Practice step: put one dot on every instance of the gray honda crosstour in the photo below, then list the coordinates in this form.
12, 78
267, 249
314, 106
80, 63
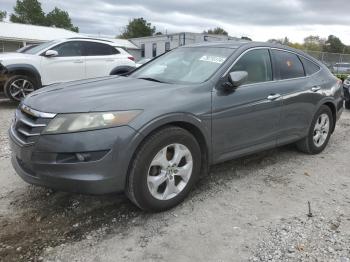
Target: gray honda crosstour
154, 132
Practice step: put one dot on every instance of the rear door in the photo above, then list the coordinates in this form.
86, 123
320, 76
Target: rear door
300, 92
68, 65
100, 59
246, 119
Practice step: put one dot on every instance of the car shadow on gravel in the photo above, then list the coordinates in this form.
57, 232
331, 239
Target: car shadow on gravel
48, 219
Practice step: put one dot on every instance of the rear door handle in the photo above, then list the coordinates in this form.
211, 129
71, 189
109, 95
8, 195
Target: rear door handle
78, 61
110, 60
315, 88
273, 97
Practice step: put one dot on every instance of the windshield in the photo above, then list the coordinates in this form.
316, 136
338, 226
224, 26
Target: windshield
185, 65
37, 49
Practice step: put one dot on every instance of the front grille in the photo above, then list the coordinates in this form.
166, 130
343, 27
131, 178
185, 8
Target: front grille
28, 126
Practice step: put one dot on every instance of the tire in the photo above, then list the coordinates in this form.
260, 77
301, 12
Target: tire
347, 104
162, 143
308, 145
18, 86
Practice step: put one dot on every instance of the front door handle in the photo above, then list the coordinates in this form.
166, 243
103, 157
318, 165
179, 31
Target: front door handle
315, 88
273, 97
78, 61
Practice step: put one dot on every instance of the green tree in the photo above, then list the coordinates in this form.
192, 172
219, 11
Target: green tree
60, 18
138, 27
313, 43
296, 46
216, 31
286, 41
3, 15
28, 12
334, 45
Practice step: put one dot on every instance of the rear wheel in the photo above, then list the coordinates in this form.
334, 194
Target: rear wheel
164, 169
18, 87
319, 133
347, 104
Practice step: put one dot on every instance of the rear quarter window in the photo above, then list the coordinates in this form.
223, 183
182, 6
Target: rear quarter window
287, 65
310, 67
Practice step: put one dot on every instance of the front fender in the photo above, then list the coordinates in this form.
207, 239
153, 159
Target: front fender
203, 125
24, 68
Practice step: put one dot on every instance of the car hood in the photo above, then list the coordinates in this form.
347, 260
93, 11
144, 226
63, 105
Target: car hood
4, 57
101, 94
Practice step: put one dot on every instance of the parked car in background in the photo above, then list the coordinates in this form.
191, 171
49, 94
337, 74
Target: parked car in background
62, 61
143, 61
152, 133
341, 68
346, 86
26, 48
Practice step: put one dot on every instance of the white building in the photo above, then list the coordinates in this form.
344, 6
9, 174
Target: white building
14, 36
152, 46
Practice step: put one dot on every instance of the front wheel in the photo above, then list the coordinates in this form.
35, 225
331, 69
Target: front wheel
164, 170
18, 87
319, 133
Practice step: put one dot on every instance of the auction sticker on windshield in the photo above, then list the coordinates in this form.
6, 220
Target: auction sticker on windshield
213, 59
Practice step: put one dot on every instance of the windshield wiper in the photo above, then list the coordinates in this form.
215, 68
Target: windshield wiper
151, 79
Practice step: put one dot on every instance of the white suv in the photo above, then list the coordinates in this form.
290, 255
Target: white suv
61, 61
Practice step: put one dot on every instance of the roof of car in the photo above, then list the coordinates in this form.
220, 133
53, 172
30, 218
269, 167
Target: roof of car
234, 44
237, 44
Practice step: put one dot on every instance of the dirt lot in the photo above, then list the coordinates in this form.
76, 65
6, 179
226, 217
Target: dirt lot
251, 209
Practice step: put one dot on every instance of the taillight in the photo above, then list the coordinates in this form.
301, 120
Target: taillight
131, 58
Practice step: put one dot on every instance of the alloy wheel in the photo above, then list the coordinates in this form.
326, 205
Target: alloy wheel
169, 171
20, 88
321, 130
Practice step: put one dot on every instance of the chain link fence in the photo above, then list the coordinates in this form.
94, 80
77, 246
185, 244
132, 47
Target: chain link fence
337, 63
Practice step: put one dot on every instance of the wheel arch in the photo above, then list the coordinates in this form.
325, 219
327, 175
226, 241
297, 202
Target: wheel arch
189, 123
333, 108
25, 69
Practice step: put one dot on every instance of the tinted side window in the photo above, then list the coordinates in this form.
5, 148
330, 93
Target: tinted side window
73, 48
257, 64
97, 49
287, 65
310, 67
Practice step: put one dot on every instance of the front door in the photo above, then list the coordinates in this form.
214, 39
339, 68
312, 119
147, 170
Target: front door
247, 119
68, 65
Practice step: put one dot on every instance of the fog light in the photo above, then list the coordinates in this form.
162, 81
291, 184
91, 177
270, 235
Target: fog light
83, 157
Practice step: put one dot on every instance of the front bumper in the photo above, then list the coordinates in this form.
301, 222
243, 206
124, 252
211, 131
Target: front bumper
42, 163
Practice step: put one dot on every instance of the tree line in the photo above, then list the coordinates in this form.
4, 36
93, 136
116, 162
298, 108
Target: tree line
332, 44
30, 12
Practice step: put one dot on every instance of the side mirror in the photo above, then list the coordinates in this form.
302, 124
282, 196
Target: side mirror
237, 78
51, 53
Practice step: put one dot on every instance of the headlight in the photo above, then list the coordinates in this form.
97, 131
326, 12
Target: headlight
67, 123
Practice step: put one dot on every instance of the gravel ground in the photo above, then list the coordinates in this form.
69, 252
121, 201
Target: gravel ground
250, 209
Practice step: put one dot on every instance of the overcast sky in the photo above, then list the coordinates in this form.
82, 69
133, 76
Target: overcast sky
258, 19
